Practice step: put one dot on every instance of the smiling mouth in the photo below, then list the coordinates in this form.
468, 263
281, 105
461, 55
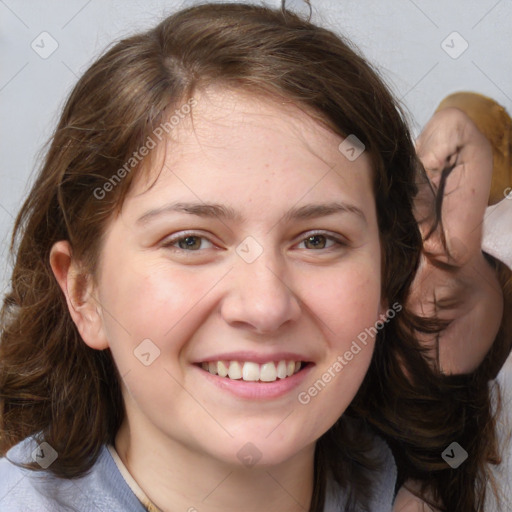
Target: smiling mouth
253, 372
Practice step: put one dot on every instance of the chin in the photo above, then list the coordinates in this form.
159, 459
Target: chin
259, 452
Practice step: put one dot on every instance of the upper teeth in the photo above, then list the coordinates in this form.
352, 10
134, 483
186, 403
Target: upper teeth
249, 371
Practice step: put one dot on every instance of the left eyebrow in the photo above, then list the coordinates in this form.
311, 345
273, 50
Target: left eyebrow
210, 210
314, 211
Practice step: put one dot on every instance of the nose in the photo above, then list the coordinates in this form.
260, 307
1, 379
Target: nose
260, 298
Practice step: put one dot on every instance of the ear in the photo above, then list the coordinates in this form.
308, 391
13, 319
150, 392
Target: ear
78, 290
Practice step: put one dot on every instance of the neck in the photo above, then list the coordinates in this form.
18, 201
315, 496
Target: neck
170, 473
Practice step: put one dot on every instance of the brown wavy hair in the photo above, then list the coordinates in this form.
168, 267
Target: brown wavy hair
53, 386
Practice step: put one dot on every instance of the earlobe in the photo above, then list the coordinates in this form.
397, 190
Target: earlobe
78, 291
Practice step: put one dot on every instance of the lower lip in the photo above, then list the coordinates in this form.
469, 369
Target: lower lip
258, 390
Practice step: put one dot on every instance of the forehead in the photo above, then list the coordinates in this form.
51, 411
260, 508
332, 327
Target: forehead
232, 117
234, 136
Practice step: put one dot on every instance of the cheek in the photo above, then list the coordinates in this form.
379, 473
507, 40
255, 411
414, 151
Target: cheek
349, 326
156, 305
347, 305
349, 302
150, 304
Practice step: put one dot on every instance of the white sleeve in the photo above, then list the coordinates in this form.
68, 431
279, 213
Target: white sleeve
502, 472
497, 231
497, 241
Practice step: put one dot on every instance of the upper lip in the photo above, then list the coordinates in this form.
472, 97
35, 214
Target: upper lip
256, 357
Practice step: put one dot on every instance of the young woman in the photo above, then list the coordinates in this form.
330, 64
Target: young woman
208, 306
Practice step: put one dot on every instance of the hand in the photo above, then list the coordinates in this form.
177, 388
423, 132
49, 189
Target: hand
454, 281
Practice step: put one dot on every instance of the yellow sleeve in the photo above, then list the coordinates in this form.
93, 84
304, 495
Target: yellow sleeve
495, 123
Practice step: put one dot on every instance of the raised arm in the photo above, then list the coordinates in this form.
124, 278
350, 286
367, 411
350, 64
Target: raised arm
469, 168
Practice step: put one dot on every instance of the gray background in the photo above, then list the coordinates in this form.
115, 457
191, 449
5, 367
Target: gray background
403, 38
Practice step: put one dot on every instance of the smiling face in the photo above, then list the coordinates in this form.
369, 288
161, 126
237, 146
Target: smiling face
255, 253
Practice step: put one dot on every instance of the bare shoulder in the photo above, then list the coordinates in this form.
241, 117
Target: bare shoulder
406, 501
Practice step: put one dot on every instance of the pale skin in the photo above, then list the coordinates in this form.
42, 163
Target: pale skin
181, 434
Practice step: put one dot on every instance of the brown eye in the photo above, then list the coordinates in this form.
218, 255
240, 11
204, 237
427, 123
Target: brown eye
186, 242
189, 242
318, 241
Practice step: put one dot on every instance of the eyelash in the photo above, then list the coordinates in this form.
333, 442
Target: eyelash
168, 244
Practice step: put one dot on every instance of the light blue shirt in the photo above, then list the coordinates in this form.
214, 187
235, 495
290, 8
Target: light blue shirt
104, 489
